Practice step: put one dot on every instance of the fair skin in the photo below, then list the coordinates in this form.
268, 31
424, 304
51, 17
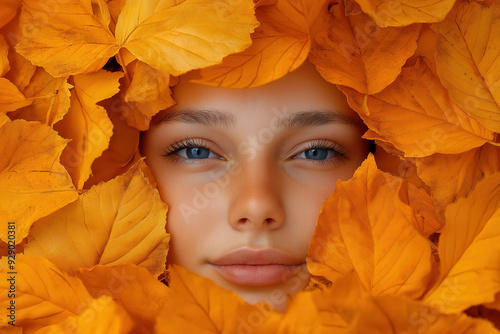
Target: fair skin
245, 173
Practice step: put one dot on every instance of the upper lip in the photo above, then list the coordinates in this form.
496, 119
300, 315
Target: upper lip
249, 256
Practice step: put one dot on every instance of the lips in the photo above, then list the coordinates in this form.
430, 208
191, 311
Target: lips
252, 267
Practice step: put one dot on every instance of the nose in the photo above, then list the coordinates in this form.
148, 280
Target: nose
256, 201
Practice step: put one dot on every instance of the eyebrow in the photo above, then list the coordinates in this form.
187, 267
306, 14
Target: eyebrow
217, 118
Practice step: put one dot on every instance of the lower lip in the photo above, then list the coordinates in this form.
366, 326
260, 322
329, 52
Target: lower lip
257, 275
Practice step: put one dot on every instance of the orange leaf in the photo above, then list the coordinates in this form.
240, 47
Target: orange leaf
8, 9
33, 183
121, 221
4, 52
10, 96
401, 13
21, 70
140, 293
279, 45
66, 37
396, 314
468, 59
86, 123
103, 316
158, 33
416, 115
197, 305
353, 51
469, 250
147, 93
463, 171
50, 96
43, 294
365, 227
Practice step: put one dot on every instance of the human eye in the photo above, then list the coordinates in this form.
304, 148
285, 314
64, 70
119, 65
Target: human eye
190, 149
322, 151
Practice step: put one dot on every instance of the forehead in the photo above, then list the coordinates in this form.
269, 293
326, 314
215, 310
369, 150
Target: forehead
301, 90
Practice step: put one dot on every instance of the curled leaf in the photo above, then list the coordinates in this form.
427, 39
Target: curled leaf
10, 97
121, 221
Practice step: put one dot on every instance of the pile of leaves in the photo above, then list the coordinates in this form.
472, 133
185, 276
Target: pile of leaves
409, 247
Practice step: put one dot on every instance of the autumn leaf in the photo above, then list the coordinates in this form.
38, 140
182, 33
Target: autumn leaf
50, 96
66, 37
353, 51
146, 94
197, 305
10, 97
401, 13
8, 9
397, 314
468, 62
4, 59
21, 70
133, 287
416, 115
44, 295
121, 221
469, 250
87, 124
159, 33
279, 45
463, 172
365, 227
33, 183
103, 316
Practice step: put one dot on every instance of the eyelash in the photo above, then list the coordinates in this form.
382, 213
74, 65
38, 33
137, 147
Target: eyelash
182, 144
327, 145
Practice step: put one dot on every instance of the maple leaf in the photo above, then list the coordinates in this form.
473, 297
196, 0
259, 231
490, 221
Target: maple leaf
197, 305
44, 295
33, 183
121, 221
66, 37
159, 34
401, 13
365, 227
415, 114
469, 250
86, 123
133, 287
279, 45
366, 59
468, 62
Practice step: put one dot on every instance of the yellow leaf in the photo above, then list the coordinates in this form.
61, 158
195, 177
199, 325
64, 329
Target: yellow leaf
103, 316
197, 305
43, 294
463, 171
404, 12
279, 45
87, 124
10, 96
396, 314
353, 51
416, 115
33, 183
66, 37
50, 96
121, 221
147, 93
21, 70
140, 293
4, 52
468, 59
469, 250
365, 227
177, 36
8, 9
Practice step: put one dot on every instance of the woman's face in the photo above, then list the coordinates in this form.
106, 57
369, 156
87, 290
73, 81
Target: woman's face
245, 173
